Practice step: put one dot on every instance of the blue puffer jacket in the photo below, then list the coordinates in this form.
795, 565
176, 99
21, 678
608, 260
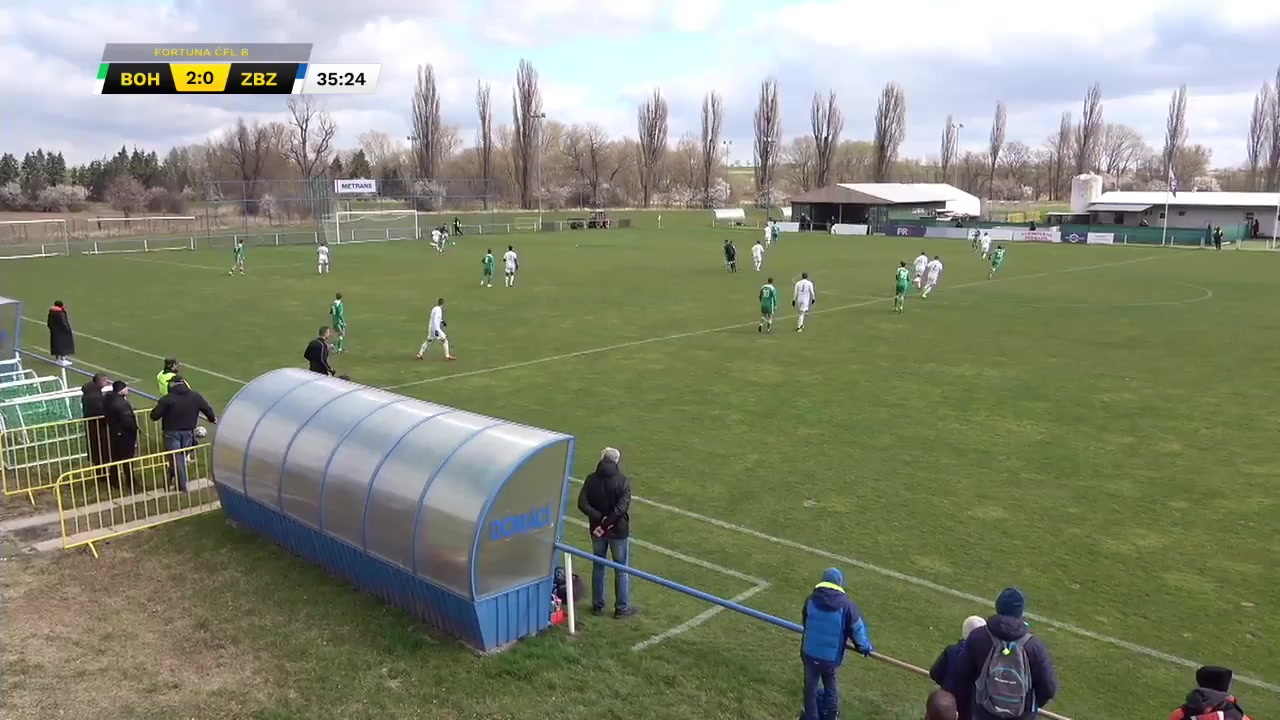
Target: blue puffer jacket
830, 619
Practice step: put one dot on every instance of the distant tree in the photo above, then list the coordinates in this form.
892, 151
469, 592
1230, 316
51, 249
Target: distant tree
651, 126
802, 158
1061, 144
484, 137
1017, 160
9, 169
311, 133
1257, 147
767, 122
1121, 148
335, 168
526, 143
995, 145
709, 148
890, 129
127, 194
827, 122
1273, 162
34, 174
358, 166
1088, 136
947, 157
56, 169
1175, 132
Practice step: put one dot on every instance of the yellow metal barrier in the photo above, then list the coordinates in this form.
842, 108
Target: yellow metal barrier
106, 501
34, 457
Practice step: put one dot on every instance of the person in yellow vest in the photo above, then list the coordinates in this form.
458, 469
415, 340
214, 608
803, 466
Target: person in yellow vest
166, 376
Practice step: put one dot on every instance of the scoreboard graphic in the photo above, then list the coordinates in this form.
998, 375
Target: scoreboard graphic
228, 69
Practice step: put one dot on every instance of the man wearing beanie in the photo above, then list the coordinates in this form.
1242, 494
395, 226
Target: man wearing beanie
1212, 698
948, 664
830, 619
1004, 648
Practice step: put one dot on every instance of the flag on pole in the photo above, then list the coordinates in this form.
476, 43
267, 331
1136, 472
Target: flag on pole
1173, 184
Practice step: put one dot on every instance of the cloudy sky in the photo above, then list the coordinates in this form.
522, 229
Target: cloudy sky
596, 59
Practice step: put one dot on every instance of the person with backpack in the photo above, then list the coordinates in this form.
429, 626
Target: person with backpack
830, 620
1005, 670
948, 663
1211, 699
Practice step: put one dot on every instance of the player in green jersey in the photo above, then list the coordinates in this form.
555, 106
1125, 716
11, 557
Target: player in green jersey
902, 281
730, 257
997, 259
487, 265
768, 306
338, 320
239, 258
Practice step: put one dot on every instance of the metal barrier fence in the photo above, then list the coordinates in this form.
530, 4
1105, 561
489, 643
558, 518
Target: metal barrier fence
106, 501
571, 552
34, 457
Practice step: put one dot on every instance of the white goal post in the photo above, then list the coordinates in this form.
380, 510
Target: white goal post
363, 226
22, 239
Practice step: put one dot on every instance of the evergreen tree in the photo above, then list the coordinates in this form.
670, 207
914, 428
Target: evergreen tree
56, 169
97, 177
34, 174
335, 167
359, 165
9, 170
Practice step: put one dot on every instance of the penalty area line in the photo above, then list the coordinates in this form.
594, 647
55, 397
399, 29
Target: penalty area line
738, 326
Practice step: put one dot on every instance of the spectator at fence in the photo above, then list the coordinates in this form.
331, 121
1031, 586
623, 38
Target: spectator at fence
1002, 649
830, 618
167, 374
123, 428
92, 409
941, 705
1211, 699
605, 499
62, 342
178, 413
317, 353
948, 663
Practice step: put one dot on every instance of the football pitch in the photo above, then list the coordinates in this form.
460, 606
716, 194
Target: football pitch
1095, 425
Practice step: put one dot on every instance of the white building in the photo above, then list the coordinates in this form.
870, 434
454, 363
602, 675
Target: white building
864, 202
1187, 209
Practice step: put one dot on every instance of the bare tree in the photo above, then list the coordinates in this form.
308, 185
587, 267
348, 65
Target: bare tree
712, 124
891, 129
994, 145
427, 124
1061, 148
526, 117
1121, 148
651, 125
767, 121
247, 148
802, 159
827, 123
1175, 129
311, 131
1016, 160
592, 159
1191, 166
1257, 146
1273, 161
950, 137
484, 137
1089, 131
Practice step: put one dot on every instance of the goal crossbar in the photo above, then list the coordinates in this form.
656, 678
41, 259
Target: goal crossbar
58, 244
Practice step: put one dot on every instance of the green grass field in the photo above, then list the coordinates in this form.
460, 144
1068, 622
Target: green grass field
1094, 426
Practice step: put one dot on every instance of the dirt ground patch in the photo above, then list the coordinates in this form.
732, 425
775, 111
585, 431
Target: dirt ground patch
114, 637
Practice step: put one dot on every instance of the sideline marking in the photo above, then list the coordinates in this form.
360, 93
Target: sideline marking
736, 326
144, 353
930, 585
701, 618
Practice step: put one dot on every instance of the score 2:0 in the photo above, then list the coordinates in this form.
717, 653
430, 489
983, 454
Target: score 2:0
195, 78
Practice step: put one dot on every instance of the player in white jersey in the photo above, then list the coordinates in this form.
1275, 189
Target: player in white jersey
510, 265
917, 269
435, 240
932, 272
986, 245
435, 331
757, 254
804, 298
768, 233
322, 258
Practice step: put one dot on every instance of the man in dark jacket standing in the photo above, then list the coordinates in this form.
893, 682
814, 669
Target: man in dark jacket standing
92, 410
830, 620
317, 354
606, 501
948, 663
1211, 698
122, 425
1005, 630
62, 343
178, 413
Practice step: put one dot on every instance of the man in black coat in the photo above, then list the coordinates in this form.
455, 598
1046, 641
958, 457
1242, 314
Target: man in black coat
62, 343
123, 428
178, 413
1005, 630
606, 501
92, 407
317, 354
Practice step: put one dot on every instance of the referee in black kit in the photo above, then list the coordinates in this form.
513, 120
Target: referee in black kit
317, 354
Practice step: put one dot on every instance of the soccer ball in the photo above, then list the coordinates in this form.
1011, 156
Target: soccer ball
201, 432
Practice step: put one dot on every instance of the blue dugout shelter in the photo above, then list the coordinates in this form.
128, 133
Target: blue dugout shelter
449, 515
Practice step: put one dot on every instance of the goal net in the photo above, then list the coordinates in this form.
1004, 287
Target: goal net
33, 239
158, 226
365, 226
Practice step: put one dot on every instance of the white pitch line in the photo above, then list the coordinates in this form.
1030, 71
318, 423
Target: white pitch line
758, 586
736, 326
930, 585
144, 353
